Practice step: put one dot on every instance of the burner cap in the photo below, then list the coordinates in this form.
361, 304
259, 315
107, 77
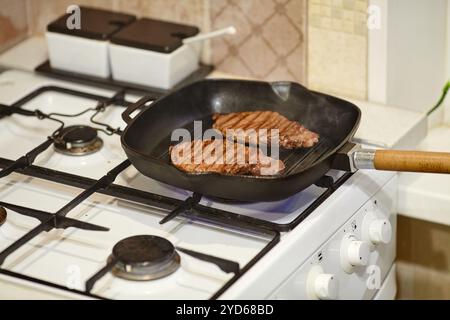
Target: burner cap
144, 258
78, 141
3, 215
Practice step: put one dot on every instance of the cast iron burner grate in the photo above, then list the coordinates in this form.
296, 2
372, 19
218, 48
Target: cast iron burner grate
149, 257
3, 216
189, 209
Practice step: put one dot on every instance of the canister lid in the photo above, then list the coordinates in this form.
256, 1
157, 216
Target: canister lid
94, 23
155, 35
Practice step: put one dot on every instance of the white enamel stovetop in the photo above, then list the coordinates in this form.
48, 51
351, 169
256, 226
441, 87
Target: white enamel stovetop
69, 257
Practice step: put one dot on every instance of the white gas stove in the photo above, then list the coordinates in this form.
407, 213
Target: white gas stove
71, 230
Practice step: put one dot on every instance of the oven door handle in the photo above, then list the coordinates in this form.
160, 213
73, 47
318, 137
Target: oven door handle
126, 115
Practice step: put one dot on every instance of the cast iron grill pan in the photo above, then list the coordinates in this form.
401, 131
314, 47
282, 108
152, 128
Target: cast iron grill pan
147, 137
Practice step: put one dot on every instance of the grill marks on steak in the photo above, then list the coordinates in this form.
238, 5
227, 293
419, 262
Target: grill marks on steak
231, 158
291, 133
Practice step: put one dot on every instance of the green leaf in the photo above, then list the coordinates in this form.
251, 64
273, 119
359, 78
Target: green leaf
441, 99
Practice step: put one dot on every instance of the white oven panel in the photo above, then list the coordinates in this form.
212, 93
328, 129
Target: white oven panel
353, 263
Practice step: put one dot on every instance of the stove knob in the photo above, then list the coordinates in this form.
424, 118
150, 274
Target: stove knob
354, 253
380, 231
358, 253
326, 286
322, 285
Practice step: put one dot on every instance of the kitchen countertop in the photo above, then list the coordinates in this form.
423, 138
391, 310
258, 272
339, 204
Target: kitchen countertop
27, 55
427, 196
422, 196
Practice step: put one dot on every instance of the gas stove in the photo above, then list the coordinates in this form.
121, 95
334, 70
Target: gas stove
78, 221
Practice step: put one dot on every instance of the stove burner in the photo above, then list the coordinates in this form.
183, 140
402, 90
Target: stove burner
78, 141
144, 258
3, 216
227, 201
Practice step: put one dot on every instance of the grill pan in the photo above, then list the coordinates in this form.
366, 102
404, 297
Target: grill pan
147, 138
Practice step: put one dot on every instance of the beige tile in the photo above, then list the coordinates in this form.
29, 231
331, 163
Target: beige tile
337, 62
42, 12
314, 9
296, 10
337, 49
361, 5
360, 17
348, 15
296, 64
337, 13
281, 73
13, 22
360, 28
221, 50
232, 15
348, 4
216, 7
326, 22
315, 21
325, 11
263, 60
186, 11
337, 25
270, 32
281, 42
348, 26
257, 11
235, 66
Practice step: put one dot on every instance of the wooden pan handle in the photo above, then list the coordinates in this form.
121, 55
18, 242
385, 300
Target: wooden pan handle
408, 161
412, 161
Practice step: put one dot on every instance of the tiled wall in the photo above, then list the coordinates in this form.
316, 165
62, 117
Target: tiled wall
320, 43
186, 11
337, 47
13, 22
271, 43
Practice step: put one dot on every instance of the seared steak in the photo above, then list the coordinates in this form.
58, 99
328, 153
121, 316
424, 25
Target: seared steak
291, 133
223, 157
